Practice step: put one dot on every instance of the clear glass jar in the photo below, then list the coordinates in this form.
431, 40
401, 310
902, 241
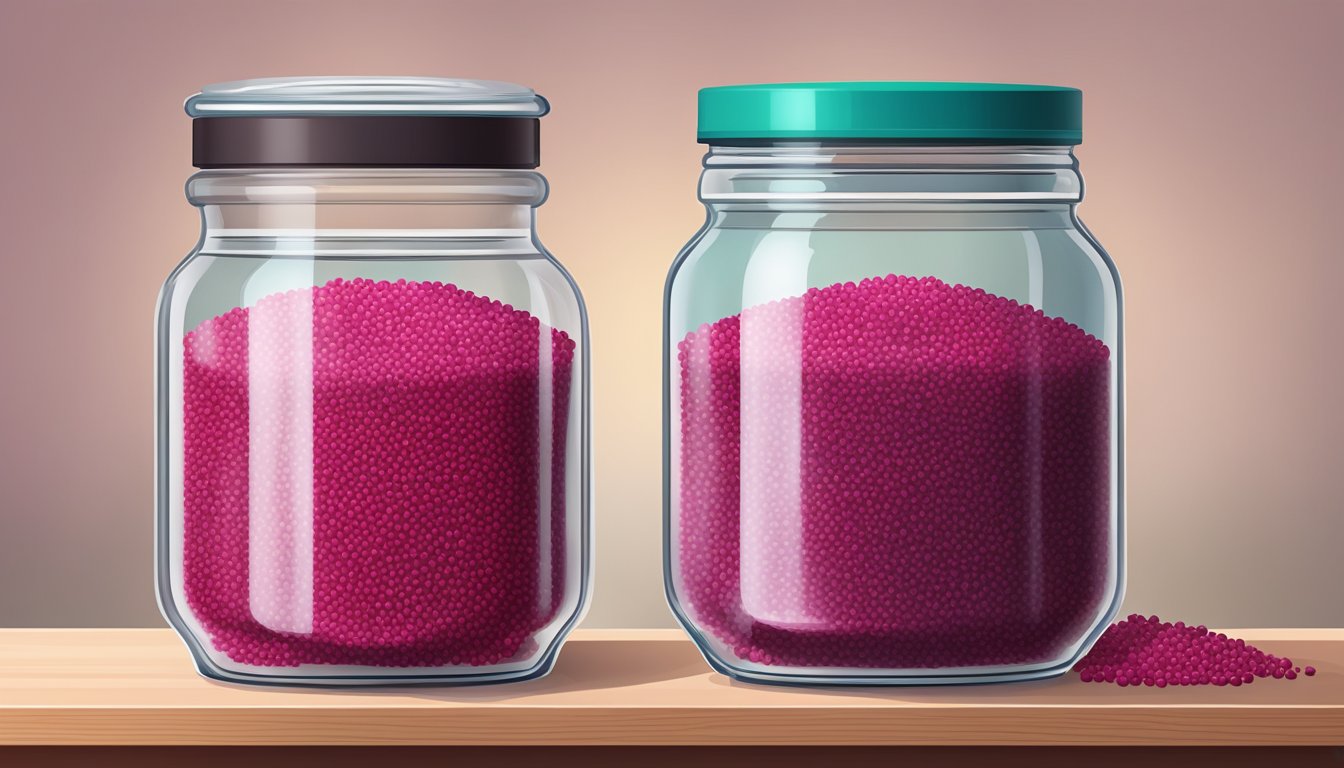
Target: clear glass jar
372, 395
893, 398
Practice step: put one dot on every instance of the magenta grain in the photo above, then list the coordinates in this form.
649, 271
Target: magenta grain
1145, 647
927, 482
426, 539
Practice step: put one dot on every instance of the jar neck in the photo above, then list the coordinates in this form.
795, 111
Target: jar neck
817, 176
366, 205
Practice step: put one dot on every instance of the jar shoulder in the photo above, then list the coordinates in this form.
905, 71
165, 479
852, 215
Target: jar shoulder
1045, 258
209, 282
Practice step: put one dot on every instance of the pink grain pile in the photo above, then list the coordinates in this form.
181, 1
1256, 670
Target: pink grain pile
365, 468
1144, 650
898, 473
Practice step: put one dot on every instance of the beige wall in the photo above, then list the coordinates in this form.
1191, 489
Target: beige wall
1212, 154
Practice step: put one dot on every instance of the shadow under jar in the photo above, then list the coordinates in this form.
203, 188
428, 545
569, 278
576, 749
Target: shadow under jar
893, 390
373, 417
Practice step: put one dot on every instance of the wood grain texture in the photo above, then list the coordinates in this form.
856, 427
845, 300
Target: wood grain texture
633, 687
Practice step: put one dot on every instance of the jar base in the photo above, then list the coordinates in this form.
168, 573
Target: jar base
211, 671
878, 679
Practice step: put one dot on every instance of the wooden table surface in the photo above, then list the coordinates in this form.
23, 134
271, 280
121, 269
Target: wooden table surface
633, 687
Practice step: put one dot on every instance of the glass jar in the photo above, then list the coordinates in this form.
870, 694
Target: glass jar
372, 390
893, 389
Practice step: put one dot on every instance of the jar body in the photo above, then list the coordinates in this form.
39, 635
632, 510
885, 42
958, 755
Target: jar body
893, 417
373, 460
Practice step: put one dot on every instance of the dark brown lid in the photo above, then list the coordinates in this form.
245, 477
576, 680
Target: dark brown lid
373, 141
372, 122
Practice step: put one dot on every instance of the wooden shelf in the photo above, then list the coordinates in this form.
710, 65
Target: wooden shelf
632, 687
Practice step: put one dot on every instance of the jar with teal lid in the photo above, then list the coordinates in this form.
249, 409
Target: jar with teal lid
893, 394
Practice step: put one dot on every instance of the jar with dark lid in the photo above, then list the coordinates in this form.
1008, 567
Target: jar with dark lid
893, 394
372, 384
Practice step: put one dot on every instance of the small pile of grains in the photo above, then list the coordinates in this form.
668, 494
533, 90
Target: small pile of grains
1144, 650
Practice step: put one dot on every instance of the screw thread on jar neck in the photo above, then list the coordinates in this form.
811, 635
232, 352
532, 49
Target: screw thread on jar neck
800, 172
372, 204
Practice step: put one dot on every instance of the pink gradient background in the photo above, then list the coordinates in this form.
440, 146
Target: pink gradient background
1212, 152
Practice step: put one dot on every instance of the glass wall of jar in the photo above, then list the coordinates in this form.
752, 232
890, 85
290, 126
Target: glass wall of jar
373, 416
893, 392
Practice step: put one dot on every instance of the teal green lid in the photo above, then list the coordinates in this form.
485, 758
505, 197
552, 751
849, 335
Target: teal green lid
990, 113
